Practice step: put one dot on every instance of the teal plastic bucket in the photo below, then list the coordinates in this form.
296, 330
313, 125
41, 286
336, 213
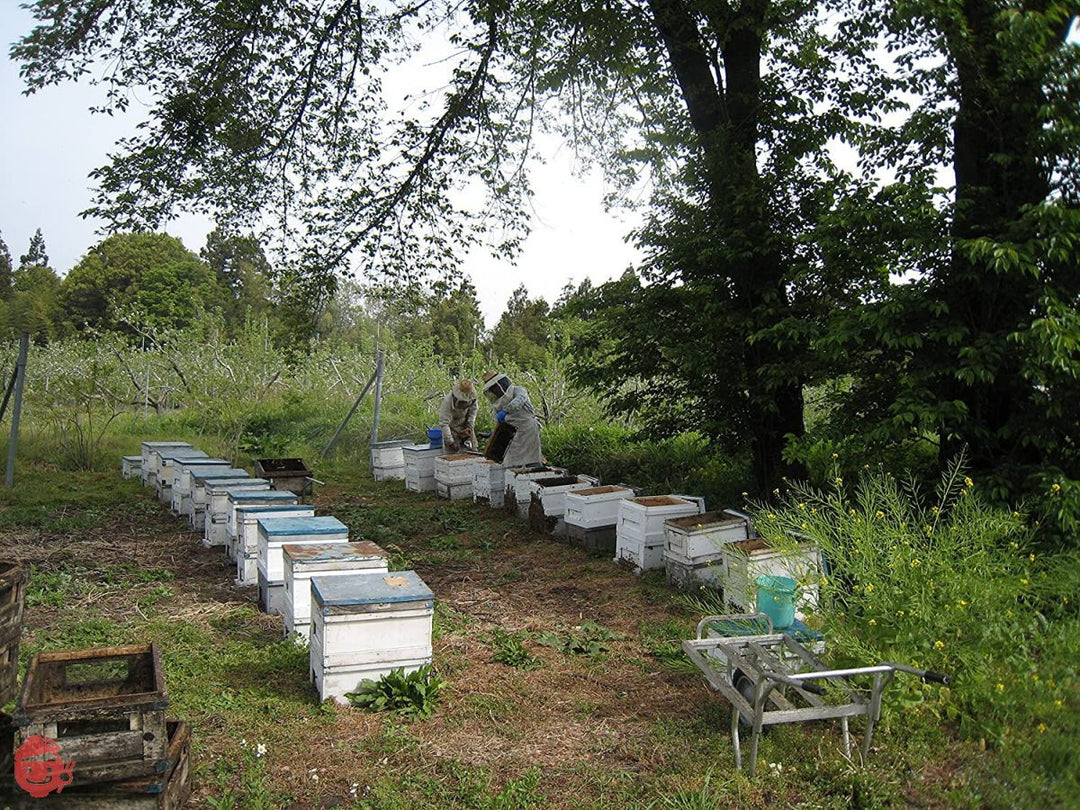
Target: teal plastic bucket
776, 599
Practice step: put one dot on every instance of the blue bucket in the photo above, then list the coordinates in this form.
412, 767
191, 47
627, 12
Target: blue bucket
776, 599
435, 436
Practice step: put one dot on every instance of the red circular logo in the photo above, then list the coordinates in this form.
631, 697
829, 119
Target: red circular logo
38, 767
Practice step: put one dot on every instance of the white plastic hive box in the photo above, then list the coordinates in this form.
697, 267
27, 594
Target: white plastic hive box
216, 515
166, 468
595, 507
365, 626
552, 491
701, 538
302, 562
275, 533
253, 497
219, 476
247, 542
420, 466
388, 460
746, 560
131, 466
489, 482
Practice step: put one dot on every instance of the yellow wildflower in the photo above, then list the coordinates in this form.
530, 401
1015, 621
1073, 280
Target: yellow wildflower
968, 482
1042, 728
838, 480
869, 586
916, 563
1059, 703
772, 516
962, 603
1031, 558
873, 622
1055, 488
835, 455
1001, 687
939, 645
879, 514
1023, 581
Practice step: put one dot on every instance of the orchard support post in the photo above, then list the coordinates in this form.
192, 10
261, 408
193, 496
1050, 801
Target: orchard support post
16, 411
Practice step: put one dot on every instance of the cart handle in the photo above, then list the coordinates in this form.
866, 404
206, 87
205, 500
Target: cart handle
798, 683
735, 617
925, 674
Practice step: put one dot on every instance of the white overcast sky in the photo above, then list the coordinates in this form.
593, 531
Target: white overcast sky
49, 143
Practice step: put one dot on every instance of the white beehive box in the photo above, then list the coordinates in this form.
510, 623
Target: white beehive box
365, 626
131, 466
150, 461
453, 476
251, 497
547, 500
183, 482
420, 466
701, 538
322, 560
218, 508
199, 479
743, 562
388, 459
247, 537
518, 496
166, 469
489, 482
595, 507
277, 532
639, 532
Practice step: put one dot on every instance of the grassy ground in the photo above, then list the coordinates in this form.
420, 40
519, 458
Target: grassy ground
625, 724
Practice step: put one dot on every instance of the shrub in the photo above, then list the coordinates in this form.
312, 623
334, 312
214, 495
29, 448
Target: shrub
412, 695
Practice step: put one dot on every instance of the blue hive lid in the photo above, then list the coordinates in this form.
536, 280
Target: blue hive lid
196, 461
369, 589
156, 445
268, 509
260, 495
302, 525
417, 448
217, 474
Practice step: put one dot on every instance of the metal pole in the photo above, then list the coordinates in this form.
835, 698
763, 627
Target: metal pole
352, 410
20, 376
7, 393
380, 358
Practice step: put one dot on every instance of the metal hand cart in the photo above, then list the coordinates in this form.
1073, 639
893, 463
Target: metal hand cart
769, 678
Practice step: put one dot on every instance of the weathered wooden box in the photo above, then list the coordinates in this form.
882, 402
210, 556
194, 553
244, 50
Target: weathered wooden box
364, 626
167, 791
247, 535
150, 461
746, 560
219, 507
595, 507
131, 466
105, 707
600, 540
388, 459
489, 483
251, 497
420, 466
639, 533
693, 546
322, 560
183, 483
286, 474
12, 598
547, 501
166, 469
518, 496
277, 532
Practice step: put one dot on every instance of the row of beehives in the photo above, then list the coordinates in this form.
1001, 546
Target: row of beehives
360, 620
696, 548
89, 727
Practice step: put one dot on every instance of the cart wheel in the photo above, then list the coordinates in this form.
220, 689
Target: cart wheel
745, 687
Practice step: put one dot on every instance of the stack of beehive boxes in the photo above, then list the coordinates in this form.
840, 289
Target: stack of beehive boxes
150, 459
219, 505
184, 484
639, 533
518, 496
746, 560
489, 483
247, 535
547, 501
302, 563
693, 546
277, 532
364, 626
388, 459
454, 476
592, 515
201, 479
420, 466
105, 709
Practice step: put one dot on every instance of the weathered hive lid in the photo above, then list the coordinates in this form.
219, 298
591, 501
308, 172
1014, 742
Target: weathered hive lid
268, 509
330, 552
370, 589
706, 520
260, 496
303, 525
216, 475
659, 500
181, 452
607, 489
163, 445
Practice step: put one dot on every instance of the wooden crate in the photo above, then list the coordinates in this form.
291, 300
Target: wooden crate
12, 596
104, 707
167, 791
600, 540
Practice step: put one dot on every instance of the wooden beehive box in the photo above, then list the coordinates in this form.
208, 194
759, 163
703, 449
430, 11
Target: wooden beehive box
277, 532
131, 466
150, 460
247, 535
518, 495
420, 466
746, 560
454, 476
251, 497
388, 459
364, 626
701, 538
166, 469
302, 563
595, 507
167, 791
12, 598
639, 533
183, 483
104, 707
547, 501
489, 483
199, 480
285, 474
218, 506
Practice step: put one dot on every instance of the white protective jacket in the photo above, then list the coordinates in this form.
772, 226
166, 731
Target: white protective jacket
525, 446
455, 421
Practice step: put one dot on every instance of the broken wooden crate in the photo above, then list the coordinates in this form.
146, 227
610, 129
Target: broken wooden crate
639, 532
454, 476
166, 791
150, 462
365, 626
420, 466
489, 483
104, 707
547, 501
285, 474
131, 466
388, 459
302, 563
518, 496
183, 484
12, 598
247, 535
277, 532
745, 561
693, 546
218, 506
592, 514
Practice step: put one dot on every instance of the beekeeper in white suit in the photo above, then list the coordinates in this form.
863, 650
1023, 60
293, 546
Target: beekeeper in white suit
457, 417
511, 404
